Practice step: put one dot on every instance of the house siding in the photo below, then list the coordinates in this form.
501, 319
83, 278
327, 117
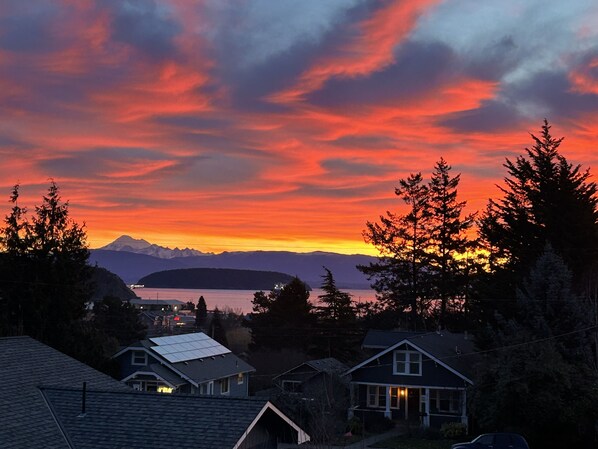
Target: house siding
127, 368
380, 371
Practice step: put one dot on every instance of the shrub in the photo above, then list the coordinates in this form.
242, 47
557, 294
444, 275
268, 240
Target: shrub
354, 426
378, 423
452, 430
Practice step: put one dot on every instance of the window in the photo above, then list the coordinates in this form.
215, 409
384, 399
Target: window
408, 363
377, 396
395, 395
138, 358
291, 386
445, 401
240, 378
224, 386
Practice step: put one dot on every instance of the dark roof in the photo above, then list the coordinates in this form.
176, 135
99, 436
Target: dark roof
199, 370
152, 420
211, 368
166, 374
25, 364
328, 365
375, 339
457, 351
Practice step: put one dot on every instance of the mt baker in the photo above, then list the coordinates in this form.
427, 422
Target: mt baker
132, 259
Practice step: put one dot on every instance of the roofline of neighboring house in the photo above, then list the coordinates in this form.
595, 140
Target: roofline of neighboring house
413, 345
160, 359
302, 436
148, 373
171, 366
61, 429
294, 368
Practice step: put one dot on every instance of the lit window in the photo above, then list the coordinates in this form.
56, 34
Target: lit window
138, 358
165, 389
224, 386
408, 363
240, 378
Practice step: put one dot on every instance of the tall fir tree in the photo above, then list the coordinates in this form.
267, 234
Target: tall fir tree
545, 199
399, 275
448, 237
45, 278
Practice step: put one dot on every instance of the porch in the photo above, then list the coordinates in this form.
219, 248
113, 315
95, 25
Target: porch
419, 405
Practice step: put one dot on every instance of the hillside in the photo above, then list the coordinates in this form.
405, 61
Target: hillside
215, 278
307, 266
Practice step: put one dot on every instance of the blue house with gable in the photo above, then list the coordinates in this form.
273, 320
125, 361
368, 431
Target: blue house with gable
188, 363
420, 377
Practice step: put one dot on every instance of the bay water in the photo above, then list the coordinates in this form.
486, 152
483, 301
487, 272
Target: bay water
237, 300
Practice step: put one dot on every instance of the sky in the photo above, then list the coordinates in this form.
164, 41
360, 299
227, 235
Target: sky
281, 124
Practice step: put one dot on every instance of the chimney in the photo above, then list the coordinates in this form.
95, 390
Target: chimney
83, 393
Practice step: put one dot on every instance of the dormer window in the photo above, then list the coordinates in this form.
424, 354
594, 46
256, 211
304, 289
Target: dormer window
408, 363
138, 358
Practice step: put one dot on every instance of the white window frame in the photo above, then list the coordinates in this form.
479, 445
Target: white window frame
210, 391
408, 362
454, 401
225, 382
135, 353
377, 394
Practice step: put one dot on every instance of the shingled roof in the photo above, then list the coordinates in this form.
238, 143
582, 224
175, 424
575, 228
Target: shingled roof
25, 365
149, 420
41, 406
456, 351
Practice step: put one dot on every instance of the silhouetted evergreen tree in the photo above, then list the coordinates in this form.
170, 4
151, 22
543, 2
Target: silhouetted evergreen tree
216, 329
536, 376
339, 334
545, 200
201, 312
44, 275
118, 319
400, 276
282, 319
449, 240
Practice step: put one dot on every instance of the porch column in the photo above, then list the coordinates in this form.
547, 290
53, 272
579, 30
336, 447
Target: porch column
426, 420
464, 418
387, 413
350, 412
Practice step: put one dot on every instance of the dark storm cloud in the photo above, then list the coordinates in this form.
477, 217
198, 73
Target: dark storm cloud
28, 27
142, 25
419, 67
492, 115
344, 167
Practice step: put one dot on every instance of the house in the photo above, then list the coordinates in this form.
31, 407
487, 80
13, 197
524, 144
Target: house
420, 377
187, 363
45, 404
314, 378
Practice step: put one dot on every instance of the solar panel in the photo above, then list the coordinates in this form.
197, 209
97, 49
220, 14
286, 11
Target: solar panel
180, 348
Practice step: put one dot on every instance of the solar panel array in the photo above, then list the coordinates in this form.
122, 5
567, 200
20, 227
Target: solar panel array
180, 348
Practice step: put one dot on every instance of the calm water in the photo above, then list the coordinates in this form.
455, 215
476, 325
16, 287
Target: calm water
234, 299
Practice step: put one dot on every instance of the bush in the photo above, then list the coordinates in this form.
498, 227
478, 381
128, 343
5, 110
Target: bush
354, 426
378, 423
453, 430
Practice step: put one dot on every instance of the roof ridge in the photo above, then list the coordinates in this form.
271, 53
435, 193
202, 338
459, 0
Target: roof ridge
150, 393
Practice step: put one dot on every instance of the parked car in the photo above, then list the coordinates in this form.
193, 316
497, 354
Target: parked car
494, 441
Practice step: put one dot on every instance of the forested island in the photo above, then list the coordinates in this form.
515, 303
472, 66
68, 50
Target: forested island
216, 278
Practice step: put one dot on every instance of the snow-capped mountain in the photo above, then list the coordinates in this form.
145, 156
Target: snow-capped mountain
140, 246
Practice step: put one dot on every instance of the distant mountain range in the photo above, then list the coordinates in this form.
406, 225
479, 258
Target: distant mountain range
140, 246
125, 258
